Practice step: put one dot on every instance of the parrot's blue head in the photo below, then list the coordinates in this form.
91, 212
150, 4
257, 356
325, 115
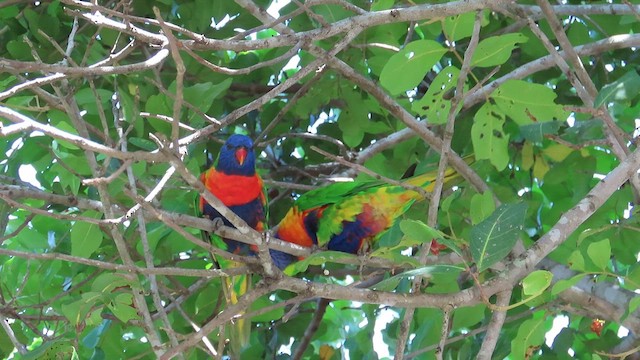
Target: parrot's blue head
237, 157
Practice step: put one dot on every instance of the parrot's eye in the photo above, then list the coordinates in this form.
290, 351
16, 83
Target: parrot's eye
229, 147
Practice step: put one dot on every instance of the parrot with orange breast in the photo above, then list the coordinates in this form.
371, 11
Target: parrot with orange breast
234, 181
348, 216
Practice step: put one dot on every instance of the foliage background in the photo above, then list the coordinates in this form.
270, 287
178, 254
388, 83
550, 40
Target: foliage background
112, 106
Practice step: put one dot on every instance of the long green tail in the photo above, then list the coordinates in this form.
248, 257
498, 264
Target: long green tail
427, 180
238, 332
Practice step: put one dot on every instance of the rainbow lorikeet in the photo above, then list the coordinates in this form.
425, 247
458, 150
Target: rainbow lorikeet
347, 216
234, 181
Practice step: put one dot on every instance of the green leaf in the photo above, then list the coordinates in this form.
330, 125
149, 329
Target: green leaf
459, 26
53, 350
107, 282
319, 258
445, 205
600, 252
416, 233
527, 103
144, 144
6, 346
530, 335
407, 68
490, 142
634, 303
482, 206
496, 50
19, 50
536, 282
557, 152
378, 5
86, 238
203, 94
468, 316
536, 131
12, 11
633, 275
263, 302
350, 122
565, 284
427, 271
418, 230
331, 13
395, 256
94, 336
436, 102
492, 239
32, 240
77, 311
624, 89
576, 261
67, 179
124, 312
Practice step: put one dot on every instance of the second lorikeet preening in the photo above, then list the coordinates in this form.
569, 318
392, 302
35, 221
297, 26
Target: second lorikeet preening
234, 181
346, 216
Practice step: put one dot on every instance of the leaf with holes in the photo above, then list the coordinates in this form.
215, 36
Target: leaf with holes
492, 239
436, 102
527, 103
489, 139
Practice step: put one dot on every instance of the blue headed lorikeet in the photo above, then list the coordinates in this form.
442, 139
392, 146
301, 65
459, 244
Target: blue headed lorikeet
347, 216
234, 181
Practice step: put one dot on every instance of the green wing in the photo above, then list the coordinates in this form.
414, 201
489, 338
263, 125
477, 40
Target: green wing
334, 193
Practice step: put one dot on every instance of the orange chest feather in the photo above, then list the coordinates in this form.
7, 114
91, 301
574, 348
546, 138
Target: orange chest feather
233, 190
292, 229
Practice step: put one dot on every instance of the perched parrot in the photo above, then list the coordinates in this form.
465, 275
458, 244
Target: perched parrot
234, 181
347, 216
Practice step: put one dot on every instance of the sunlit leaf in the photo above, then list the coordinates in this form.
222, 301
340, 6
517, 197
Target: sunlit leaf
599, 252
528, 103
496, 50
406, 69
536, 282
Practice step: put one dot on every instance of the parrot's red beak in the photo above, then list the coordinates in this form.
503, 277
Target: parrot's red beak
241, 155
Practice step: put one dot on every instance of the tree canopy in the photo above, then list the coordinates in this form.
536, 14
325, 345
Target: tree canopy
109, 111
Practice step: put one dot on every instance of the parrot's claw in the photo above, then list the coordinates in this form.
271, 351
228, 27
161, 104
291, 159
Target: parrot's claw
217, 223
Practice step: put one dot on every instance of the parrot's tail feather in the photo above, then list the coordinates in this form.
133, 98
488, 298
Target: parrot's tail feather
234, 287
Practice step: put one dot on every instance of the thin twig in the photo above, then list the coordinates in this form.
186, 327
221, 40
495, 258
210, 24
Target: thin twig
321, 308
12, 336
